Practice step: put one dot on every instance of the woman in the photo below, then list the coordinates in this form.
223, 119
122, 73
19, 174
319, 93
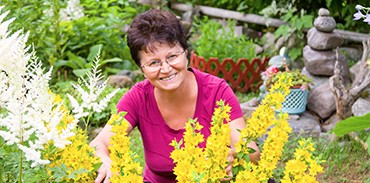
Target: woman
171, 94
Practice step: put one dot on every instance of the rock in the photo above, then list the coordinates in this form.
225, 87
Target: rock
306, 125
120, 81
331, 137
351, 53
354, 70
323, 41
187, 26
124, 73
321, 101
330, 123
258, 49
322, 62
269, 41
324, 12
325, 24
361, 107
249, 107
316, 80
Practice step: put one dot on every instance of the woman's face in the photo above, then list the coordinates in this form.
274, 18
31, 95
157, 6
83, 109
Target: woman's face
165, 67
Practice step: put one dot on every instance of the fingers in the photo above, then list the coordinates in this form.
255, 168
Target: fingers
100, 177
228, 169
103, 175
107, 178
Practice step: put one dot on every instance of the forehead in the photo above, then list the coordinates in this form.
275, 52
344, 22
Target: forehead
158, 49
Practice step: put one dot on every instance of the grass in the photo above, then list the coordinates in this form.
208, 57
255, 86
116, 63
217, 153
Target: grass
346, 159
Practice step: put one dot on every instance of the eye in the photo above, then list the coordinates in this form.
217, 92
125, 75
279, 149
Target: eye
154, 63
172, 57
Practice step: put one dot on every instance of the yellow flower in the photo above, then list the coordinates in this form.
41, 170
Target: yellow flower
123, 167
195, 164
78, 158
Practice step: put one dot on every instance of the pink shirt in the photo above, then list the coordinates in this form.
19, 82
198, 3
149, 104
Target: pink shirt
142, 112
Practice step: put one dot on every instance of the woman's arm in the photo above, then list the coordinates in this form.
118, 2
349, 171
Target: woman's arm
236, 125
101, 143
239, 124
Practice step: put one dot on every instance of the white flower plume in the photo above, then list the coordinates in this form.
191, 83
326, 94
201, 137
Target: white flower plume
90, 91
29, 118
73, 11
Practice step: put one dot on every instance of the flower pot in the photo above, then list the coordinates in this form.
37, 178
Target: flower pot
295, 102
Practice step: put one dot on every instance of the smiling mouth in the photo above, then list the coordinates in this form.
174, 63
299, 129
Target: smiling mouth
168, 78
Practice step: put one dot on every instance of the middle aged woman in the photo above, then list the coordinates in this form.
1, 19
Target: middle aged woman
161, 105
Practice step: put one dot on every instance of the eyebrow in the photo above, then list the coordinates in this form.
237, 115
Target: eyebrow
168, 54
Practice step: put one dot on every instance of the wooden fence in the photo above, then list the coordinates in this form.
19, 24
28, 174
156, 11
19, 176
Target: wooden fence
242, 75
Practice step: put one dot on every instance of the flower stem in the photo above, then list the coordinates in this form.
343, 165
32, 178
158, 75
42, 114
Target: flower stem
20, 168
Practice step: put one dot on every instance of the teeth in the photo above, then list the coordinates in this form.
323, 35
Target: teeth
168, 78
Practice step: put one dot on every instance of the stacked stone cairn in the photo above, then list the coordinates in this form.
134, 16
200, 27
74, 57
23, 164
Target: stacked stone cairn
319, 57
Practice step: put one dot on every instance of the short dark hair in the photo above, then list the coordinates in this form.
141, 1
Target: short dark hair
154, 26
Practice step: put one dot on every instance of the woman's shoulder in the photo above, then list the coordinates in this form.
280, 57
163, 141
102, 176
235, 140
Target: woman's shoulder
207, 79
139, 89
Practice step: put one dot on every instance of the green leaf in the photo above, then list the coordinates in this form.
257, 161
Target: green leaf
76, 60
116, 59
368, 144
94, 51
80, 72
352, 124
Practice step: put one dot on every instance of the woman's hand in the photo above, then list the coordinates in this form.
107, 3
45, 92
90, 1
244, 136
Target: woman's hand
230, 159
104, 173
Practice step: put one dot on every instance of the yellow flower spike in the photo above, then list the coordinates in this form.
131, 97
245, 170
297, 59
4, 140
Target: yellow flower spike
207, 164
123, 167
76, 156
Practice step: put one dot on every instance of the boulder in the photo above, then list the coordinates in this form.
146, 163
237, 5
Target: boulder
316, 79
361, 107
325, 24
322, 40
324, 12
322, 62
120, 81
306, 125
321, 101
330, 123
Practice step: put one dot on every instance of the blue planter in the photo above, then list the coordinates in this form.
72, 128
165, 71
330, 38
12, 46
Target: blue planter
295, 102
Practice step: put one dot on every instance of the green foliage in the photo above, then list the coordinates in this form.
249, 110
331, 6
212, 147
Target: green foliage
9, 169
245, 6
211, 39
352, 124
65, 44
297, 22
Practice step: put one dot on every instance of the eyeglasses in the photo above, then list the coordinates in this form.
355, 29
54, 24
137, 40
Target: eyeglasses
155, 65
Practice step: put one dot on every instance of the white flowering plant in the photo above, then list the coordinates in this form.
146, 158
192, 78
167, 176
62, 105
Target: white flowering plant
362, 13
29, 117
40, 140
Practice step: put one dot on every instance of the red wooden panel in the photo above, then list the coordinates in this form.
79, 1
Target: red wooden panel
242, 75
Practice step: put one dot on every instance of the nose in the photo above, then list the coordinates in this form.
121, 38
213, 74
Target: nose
165, 67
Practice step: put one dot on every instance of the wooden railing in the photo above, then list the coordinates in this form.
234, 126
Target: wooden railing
242, 75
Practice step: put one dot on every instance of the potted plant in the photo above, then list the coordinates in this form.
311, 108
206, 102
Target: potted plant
219, 51
295, 102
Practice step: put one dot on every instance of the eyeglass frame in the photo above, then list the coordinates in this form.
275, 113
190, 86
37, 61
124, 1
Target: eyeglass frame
145, 65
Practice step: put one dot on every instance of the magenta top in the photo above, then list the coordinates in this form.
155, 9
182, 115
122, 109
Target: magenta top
142, 112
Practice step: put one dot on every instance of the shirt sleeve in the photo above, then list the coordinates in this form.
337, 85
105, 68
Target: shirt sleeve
227, 94
127, 104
